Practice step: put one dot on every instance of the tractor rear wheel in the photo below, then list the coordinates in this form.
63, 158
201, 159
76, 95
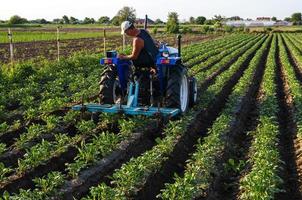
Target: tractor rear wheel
177, 92
110, 91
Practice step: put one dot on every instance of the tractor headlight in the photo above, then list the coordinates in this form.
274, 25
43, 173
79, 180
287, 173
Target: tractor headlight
165, 54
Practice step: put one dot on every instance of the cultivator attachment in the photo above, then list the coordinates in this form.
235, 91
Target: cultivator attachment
131, 108
128, 110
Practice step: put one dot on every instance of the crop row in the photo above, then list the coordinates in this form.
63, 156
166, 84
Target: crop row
263, 180
204, 164
295, 86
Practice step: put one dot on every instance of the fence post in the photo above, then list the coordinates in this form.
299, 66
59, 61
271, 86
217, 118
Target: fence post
104, 42
11, 48
124, 42
58, 42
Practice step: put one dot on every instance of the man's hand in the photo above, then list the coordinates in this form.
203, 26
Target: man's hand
153, 70
122, 56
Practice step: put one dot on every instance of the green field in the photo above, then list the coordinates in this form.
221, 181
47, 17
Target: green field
235, 143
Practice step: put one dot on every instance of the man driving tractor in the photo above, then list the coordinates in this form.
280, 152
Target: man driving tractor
144, 50
143, 57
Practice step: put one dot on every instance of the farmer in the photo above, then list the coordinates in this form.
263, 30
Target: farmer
144, 50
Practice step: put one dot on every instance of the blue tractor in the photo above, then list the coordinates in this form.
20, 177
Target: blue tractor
169, 92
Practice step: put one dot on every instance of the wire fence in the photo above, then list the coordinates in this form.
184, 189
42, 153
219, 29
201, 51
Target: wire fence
58, 48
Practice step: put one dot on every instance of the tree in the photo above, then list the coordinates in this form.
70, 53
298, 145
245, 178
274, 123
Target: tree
172, 23
288, 19
58, 21
218, 25
209, 22
65, 19
296, 18
200, 20
126, 13
274, 18
235, 18
158, 21
39, 21
104, 20
88, 20
218, 18
17, 20
73, 20
115, 21
192, 20
44, 21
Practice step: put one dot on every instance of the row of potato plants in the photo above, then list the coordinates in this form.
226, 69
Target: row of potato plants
295, 50
295, 86
262, 180
296, 40
205, 162
197, 49
132, 175
217, 49
50, 88
101, 144
234, 52
45, 86
40, 153
209, 63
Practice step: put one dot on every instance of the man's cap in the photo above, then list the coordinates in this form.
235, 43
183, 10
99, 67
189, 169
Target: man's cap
124, 26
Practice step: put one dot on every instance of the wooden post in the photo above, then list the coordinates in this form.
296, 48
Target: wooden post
146, 22
11, 48
104, 42
124, 42
58, 42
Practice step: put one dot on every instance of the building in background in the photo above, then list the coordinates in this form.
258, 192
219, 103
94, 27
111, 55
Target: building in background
259, 22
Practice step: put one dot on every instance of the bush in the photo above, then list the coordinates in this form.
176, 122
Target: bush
173, 23
268, 29
17, 20
228, 29
240, 29
205, 29
154, 30
186, 30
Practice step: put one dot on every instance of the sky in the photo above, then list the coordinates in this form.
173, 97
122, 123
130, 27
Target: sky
50, 9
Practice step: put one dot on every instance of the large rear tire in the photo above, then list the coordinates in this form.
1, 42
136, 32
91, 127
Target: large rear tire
177, 92
110, 91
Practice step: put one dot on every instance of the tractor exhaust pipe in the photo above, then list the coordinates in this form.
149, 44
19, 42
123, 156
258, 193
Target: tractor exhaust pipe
146, 22
179, 44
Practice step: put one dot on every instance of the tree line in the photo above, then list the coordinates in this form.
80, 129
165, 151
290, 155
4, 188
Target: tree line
129, 13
